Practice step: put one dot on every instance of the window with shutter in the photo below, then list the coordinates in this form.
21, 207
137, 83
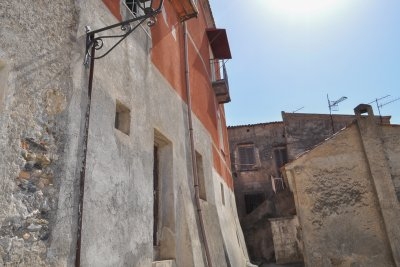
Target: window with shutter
247, 158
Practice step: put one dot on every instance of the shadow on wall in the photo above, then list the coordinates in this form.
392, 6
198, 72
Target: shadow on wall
257, 226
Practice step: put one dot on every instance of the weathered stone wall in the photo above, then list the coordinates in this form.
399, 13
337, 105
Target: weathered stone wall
256, 226
391, 142
336, 204
304, 131
265, 138
36, 87
377, 161
287, 239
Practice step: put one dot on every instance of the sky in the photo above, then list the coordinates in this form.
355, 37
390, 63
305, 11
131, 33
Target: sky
288, 55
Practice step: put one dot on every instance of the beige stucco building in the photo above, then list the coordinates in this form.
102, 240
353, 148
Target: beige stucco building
265, 204
347, 192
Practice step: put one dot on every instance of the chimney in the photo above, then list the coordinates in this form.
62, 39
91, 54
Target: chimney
362, 109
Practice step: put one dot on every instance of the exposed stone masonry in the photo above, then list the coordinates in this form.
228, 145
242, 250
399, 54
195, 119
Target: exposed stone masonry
32, 135
334, 193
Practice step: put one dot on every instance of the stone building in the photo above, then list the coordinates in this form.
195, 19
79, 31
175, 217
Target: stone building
123, 161
265, 203
257, 152
347, 193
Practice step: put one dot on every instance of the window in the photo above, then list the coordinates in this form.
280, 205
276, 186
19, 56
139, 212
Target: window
139, 7
252, 201
132, 6
163, 198
281, 158
200, 175
122, 118
247, 158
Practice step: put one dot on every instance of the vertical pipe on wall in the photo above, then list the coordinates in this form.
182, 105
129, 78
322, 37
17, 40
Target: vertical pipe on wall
83, 166
193, 152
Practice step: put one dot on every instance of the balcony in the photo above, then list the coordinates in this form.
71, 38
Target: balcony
220, 52
219, 79
186, 9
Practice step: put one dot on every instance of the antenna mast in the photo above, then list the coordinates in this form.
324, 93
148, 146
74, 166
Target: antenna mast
298, 109
334, 105
379, 106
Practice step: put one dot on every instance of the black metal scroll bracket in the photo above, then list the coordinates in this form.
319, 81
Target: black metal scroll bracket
126, 28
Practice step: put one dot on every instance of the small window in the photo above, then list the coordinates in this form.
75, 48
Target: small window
200, 175
247, 158
252, 201
122, 118
132, 5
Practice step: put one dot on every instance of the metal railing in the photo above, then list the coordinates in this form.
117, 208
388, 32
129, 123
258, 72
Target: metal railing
218, 70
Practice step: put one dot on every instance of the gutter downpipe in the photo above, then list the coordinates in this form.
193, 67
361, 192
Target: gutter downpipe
83, 166
192, 149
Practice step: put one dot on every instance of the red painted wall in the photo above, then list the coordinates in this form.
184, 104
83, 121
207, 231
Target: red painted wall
113, 6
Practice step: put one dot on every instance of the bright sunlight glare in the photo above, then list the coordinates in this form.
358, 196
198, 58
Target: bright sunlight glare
303, 8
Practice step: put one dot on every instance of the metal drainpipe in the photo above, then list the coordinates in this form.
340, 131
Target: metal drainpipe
192, 149
83, 167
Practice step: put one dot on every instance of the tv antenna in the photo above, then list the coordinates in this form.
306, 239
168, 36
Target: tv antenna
334, 106
380, 105
297, 110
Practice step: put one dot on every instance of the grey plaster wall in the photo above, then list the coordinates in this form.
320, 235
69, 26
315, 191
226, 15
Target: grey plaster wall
336, 204
232, 234
119, 189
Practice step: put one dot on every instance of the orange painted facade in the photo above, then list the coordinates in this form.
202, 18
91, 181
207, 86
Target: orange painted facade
167, 54
114, 7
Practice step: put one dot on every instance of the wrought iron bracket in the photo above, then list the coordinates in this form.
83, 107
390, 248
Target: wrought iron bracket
126, 27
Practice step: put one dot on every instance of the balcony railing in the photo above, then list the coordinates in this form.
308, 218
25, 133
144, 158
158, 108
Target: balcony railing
219, 79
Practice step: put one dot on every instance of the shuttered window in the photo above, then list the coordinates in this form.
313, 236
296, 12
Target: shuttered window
247, 157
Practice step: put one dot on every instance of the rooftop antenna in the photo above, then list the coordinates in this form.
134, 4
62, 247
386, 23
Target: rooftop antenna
379, 106
334, 106
297, 110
